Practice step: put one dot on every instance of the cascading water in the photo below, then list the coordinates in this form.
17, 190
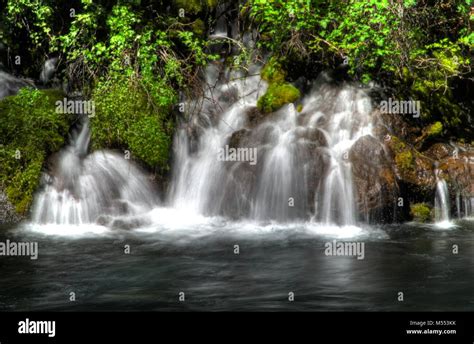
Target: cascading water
441, 201
199, 174
89, 188
347, 118
303, 167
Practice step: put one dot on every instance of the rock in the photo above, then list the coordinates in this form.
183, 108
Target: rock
254, 117
459, 172
276, 96
411, 166
375, 184
8, 215
439, 151
393, 125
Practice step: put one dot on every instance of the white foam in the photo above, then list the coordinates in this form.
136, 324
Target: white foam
176, 223
73, 231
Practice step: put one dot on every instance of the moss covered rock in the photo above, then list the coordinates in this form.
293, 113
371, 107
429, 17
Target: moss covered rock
190, 6
273, 73
198, 27
127, 117
276, 96
420, 212
194, 7
30, 130
412, 167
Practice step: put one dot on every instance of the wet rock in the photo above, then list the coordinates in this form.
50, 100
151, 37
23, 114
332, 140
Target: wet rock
392, 124
411, 166
127, 224
458, 170
254, 117
375, 184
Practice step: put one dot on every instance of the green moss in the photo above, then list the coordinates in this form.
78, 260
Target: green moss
420, 212
212, 3
404, 161
276, 96
133, 115
198, 27
30, 130
435, 129
273, 72
192, 7
396, 144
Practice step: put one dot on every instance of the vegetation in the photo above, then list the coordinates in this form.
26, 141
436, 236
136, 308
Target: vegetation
30, 130
435, 129
135, 58
279, 92
417, 49
126, 119
420, 212
276, 96
404, 161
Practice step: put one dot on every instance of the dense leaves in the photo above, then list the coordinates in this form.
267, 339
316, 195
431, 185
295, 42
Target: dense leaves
30, 131
415, 49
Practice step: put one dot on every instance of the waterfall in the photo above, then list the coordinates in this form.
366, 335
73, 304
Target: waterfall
468, 203
84, 188
199, 175
303, 168
348, 119
441, 201
10, 85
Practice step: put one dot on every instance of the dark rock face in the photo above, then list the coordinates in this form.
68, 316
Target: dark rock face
412, 170
458, 170
375, 186
8, 214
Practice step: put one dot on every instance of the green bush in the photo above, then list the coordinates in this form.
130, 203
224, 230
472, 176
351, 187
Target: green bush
30, 130
420, 212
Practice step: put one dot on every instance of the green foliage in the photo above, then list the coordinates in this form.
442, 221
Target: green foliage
30, 130
279, 92
435, 129
276, 96
192, 7
30, 15
127, 117
419, 49
273, 72
420, 212
404, 161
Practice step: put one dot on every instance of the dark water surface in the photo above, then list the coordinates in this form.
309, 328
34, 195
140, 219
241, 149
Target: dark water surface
417, 261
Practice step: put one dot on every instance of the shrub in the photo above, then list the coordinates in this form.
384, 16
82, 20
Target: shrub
30, 130
420, 212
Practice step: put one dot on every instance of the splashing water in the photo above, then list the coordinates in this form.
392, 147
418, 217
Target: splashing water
442, 204
90, 188
303, 168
